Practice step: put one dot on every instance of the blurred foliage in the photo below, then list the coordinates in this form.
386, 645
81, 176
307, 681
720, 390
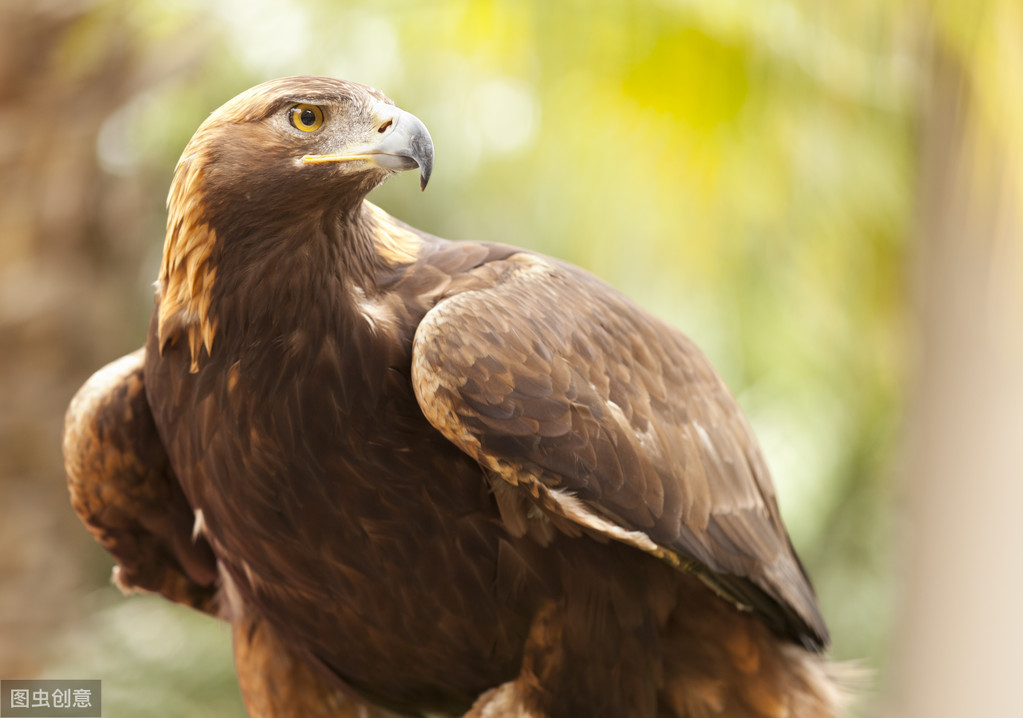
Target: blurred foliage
154, 658
745, 170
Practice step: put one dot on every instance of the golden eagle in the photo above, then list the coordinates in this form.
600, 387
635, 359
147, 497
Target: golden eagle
421, 476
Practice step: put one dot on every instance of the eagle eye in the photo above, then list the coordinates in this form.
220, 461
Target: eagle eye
307, 118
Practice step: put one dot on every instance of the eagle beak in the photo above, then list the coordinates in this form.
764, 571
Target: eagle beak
402, 143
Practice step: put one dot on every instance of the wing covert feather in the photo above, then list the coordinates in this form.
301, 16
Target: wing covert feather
609, 418
123, 489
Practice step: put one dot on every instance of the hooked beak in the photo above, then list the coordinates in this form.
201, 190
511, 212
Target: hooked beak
402, 142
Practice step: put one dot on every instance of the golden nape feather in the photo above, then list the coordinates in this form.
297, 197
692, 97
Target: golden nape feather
187, 271
420, 476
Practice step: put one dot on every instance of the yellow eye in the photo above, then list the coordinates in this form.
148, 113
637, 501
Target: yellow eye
307, 118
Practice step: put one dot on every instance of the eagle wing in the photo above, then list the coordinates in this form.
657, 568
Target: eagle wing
125, 492
615, 424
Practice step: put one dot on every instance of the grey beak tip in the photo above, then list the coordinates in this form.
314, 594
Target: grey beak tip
424, 175
422, 153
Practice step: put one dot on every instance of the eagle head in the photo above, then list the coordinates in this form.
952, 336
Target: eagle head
297, 150
302, 141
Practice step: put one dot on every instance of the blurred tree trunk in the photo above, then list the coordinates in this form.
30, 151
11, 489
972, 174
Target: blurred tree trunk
960, 642
68, 230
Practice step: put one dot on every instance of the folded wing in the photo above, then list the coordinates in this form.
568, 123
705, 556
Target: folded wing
125, 492
615, 425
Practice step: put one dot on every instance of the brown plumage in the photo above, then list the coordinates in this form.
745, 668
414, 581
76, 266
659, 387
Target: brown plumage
418, 475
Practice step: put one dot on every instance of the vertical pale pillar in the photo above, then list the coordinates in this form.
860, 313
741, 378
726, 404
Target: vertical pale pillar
959, 643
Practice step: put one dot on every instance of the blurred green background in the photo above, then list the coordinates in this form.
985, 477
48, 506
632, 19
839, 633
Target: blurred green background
787, 181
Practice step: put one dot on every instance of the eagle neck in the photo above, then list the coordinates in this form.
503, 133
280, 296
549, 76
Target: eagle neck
276, 284
289, 294
373, 248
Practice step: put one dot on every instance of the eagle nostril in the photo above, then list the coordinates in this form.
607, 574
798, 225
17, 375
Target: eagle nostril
383, 127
